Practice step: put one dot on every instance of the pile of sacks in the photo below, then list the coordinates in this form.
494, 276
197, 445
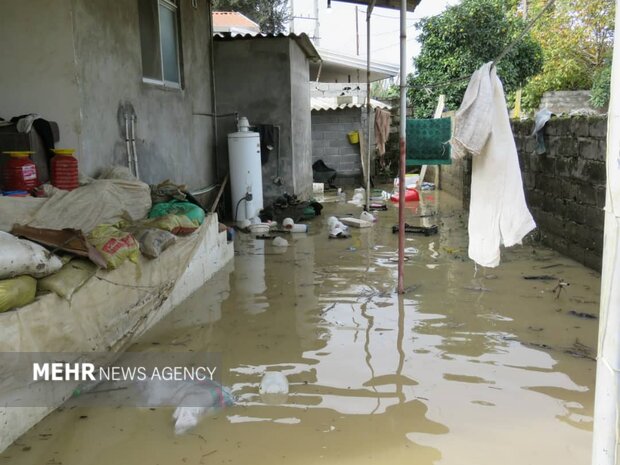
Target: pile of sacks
98, 226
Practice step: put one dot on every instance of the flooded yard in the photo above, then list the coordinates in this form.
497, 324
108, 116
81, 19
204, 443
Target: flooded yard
470, 366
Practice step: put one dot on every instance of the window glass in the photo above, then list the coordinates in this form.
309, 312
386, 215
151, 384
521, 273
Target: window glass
169, 35
149, 39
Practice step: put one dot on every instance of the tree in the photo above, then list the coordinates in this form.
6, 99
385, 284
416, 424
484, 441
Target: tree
460, 40
576, 37
270, 15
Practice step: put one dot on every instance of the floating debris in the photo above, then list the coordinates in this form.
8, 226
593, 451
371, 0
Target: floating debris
587, 316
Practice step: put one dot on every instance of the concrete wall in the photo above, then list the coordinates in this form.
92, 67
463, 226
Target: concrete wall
564, 101
172, 143
564, 188
37, 64
266, 80
301, 121
330, 142
78, 62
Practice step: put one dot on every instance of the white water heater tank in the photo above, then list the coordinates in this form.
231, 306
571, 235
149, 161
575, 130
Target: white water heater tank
246, 176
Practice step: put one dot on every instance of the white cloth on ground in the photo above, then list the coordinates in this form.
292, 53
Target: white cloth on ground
498, 213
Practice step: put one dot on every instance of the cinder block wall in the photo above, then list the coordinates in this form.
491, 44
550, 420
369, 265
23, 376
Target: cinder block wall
565, 187
331, 144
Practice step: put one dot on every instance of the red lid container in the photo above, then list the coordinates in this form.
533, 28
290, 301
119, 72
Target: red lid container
19, 173
64, 170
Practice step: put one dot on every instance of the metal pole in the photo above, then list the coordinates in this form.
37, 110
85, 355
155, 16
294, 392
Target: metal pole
403, 146
606, 442
317, 24
368, 148
357, 34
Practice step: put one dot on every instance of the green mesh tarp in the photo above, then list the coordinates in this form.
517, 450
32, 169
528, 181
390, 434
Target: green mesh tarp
428, 141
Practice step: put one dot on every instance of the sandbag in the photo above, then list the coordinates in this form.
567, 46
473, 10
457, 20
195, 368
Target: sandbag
115, 245
176, 224
154, 241
192, 211
17, 292
21, 257
69, 279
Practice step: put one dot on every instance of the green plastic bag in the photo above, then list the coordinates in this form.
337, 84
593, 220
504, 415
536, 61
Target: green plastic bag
176, 207
17, 292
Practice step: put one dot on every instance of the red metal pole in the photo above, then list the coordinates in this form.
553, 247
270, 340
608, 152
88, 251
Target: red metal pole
403, 146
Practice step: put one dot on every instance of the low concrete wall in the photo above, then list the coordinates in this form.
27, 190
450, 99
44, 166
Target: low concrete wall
564, 187
564, 101
210, 254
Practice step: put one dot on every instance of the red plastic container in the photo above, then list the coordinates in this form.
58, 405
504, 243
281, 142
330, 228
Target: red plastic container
19, 173
64, 170
411, 195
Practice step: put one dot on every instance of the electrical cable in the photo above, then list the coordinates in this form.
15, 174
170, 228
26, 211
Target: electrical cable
237, 207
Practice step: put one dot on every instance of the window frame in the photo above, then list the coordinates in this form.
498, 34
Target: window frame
172, 5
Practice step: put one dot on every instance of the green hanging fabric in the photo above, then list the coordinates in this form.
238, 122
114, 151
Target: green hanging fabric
428, 141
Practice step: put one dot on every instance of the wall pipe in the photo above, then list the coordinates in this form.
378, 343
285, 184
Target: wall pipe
134, 118
403, 146
606, 444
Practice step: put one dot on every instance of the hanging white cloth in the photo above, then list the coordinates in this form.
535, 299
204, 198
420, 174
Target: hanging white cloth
498, 213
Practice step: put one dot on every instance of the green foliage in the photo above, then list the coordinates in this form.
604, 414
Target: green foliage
270, 15
459, 41
601, 87
576, 37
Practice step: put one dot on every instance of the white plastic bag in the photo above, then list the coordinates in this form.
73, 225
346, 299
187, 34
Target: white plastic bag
21, 257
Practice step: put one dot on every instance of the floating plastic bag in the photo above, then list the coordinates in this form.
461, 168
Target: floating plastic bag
115, 245
273, 388
273, 382
154, 241
17, 292
279, 242
23, 257
208, 396
69, 279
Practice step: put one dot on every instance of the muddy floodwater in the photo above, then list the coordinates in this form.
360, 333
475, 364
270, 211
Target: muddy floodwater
468, 367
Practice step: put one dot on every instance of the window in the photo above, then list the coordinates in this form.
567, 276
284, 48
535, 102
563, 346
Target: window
159, 39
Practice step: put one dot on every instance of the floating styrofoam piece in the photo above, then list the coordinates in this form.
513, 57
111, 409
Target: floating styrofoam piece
355, 222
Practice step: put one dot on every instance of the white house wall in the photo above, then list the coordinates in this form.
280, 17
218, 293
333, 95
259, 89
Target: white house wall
78, 62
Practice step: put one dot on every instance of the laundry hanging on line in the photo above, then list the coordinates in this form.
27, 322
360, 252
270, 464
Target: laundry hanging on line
383, 120
498, 213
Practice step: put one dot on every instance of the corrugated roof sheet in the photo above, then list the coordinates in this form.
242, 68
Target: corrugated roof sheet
302, 40
321, 104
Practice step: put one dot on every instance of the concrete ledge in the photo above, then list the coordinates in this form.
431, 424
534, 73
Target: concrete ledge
105, 315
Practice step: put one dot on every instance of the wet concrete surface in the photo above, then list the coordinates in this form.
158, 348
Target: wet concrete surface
470, 366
